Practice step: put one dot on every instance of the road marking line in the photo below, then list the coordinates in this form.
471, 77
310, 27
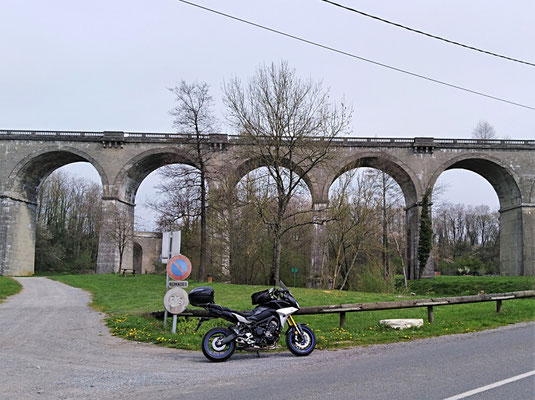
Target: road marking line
491, 386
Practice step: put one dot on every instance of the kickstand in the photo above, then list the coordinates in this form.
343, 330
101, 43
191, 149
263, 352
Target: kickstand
258, 354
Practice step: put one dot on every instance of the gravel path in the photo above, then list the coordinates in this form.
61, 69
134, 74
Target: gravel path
54, 346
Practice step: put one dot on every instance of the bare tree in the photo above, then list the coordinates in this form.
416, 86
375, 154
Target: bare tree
282, 117
68, 224
193, 115
178, 204
353, 226
466, 231
484, 130
122, 232
389, 199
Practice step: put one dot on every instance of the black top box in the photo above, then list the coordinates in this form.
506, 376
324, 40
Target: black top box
201, 296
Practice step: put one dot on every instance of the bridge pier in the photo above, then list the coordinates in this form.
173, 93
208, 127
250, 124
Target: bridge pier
511, 254
412, 218
17, 236
317, 250
117, 219
528, 236
218, 238
413, 214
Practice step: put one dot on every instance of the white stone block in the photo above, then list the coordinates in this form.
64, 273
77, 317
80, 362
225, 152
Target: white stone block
402, 323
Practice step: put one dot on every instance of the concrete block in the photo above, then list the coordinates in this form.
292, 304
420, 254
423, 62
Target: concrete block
402, 323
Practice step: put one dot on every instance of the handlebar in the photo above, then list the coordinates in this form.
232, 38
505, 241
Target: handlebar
278, 292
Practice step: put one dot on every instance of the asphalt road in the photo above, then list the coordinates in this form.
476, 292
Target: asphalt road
53, 346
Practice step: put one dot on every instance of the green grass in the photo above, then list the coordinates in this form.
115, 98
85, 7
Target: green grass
127, 300
469, 285
8, 287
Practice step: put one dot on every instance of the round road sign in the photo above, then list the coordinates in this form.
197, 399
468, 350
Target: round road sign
175, 300
179, 267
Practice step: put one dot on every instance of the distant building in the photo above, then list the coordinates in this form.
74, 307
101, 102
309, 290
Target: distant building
147, 250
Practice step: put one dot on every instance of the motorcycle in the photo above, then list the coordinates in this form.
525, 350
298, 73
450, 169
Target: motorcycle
255, 330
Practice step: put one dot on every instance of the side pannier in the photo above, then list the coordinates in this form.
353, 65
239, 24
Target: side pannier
262, 297
201, 296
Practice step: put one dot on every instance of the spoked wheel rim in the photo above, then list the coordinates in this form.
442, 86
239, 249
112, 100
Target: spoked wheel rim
302, 342
215, 348
216, 345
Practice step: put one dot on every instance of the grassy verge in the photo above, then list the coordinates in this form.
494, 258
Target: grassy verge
126, 300
8, 287
469, 285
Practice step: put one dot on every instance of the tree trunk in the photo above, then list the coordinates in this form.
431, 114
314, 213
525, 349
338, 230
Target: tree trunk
275, 265
385, 231
203, 250
120, 261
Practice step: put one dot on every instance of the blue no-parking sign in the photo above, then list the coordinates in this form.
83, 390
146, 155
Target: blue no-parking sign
179, 268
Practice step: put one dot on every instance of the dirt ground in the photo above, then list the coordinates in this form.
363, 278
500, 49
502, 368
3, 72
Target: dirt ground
54, 346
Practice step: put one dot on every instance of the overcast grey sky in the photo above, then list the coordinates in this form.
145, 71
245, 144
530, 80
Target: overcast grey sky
106, 65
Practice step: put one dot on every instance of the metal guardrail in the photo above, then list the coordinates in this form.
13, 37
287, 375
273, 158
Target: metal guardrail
342, 309
218, 138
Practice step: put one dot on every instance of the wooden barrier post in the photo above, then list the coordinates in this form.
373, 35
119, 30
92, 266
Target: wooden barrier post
342, 319
430, 314
498, 306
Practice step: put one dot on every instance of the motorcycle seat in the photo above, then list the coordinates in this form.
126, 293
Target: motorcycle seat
242, 313
245, 314
260, 315
217, 307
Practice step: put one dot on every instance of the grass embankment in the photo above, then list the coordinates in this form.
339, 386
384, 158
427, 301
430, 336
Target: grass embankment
8, 287
469, 285
127, 299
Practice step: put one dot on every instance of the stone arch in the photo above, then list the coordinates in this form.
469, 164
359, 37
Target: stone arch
410, 186
18, 206
506, 184
147, 247
122, 197
399, 171
503, 179
253, 163
137, 168
137, 264
29, 173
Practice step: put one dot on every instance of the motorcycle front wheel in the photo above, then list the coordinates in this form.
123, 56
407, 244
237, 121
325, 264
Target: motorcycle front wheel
300, 345
212, 349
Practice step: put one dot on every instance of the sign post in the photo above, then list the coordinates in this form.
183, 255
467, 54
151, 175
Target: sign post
294, 271
176, 299
170, 245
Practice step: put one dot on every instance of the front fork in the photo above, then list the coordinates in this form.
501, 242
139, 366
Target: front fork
291, 322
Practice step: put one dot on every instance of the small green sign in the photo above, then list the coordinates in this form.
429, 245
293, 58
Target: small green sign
294, 271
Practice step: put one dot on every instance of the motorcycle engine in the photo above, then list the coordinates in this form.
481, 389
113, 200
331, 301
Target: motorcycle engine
267, 333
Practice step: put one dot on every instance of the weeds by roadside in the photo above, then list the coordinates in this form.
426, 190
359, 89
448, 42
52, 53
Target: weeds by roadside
8, 287
127, 301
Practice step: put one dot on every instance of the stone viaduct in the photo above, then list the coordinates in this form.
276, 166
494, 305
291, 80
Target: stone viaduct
123, 160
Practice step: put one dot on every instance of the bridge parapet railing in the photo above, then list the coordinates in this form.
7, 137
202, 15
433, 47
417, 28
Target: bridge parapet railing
55, 135
485, 142
219, 138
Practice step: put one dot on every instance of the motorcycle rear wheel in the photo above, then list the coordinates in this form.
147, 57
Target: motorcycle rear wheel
301, 345
212, 350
